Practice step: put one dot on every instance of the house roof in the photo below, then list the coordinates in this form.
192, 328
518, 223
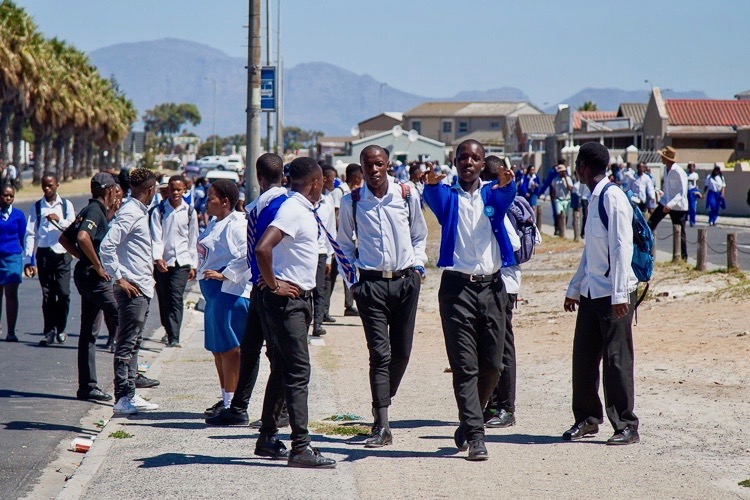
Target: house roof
702, 112
745, 94
536, 124
634, 110
380, 135
486, 137
389, 114
472, 109
579, 116
328, 140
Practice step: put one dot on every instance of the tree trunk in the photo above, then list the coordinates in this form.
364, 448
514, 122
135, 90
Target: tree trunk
102, 160
5, 114
118, 157
48, 152
68, 164
16, 130
89, 160
38, 158
78, 157
59, 143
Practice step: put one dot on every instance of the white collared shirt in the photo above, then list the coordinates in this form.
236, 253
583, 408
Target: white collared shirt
606, 250
175, 235
327, 214
223, 247
47, 235
563, 186
692, 180
385, 240
715, 184
295, 258
512, 275
476, 250
675, 189
126, 250
643, 189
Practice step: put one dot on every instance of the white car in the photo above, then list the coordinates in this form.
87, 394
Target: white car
230, 162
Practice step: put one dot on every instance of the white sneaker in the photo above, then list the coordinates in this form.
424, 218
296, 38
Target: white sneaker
141, 404
124, 407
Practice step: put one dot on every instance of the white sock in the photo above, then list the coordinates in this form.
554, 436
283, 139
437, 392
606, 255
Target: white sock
224, 396
228, 398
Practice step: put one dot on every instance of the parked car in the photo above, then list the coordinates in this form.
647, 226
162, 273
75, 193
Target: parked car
230, 162
216, 174
192, 169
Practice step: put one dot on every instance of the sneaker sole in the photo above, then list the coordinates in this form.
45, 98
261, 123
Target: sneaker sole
301, 466
269, 455
499, 426
478, 458
123, 413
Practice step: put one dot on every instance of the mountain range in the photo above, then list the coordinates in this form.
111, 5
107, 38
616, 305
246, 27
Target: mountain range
317, 95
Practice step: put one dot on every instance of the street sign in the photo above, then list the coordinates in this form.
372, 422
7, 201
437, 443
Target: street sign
268, 88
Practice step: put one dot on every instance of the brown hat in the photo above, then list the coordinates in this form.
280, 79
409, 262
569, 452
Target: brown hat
669, 154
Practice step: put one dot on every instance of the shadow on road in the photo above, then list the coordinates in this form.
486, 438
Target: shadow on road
44, 426
6, 393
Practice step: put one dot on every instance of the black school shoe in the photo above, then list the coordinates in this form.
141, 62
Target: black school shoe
94, 394
477, 450
229, 417
310, 458
501, 419
143, 382
271, 448
580, 430
625, 436
215, 409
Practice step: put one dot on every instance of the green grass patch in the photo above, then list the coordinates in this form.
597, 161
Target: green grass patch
745, 483
343, 417
120, 435
349, 430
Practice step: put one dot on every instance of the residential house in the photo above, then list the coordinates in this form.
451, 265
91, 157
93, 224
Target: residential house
404, 147
380, 123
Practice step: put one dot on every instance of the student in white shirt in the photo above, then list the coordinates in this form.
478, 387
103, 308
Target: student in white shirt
174, 229
327, 213
603, 289
714, 189
287, 255
126, 256
694, 194
643, 189
563, 188
674, 201
45, 256
390, 254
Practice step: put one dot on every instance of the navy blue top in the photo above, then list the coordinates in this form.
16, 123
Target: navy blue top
265, 217
12, 233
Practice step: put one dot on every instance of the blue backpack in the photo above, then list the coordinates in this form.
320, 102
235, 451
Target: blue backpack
643, 242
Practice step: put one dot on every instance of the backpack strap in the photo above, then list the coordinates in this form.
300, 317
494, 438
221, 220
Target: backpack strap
406, 195
356, 195
605, 219
65, 207
38, 209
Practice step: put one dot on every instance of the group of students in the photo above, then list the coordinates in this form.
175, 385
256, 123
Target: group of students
379, 244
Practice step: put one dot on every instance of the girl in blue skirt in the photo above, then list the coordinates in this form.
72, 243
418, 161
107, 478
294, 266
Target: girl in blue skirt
222, 273
12, 233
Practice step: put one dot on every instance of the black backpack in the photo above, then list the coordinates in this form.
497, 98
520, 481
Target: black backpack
38, 209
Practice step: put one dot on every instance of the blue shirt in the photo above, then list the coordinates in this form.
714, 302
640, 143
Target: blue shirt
12, 232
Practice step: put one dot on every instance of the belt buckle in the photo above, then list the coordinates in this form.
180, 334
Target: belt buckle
473, 278
388, 275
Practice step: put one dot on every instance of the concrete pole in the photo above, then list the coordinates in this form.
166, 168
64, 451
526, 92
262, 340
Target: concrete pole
702, 249
676, 252
268, 63
252, 190
279, 146
732, 255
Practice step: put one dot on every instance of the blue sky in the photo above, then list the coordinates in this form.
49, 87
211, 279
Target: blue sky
549, 49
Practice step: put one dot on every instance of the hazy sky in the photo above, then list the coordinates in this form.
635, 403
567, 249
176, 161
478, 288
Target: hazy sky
550, 49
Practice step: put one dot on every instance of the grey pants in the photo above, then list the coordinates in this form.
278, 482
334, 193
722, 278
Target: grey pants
132, 314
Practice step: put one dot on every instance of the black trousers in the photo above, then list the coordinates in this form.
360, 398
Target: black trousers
388, 308
288, 321
132, 314
473, 317
170, 291
96, 297
600, 338
331, 284
54, 277
320, 292
505, 392
678, 219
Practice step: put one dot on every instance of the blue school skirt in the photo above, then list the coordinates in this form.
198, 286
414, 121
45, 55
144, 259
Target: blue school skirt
11, 268
224, 317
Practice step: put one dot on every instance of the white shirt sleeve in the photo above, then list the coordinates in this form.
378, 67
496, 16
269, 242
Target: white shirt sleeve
418, 232
118, 230
66, 221
193, 240
620, 236
237, 244
345, 236
157, 242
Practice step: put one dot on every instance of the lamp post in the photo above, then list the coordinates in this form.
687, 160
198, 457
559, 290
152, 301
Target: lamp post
214, 110
380, 97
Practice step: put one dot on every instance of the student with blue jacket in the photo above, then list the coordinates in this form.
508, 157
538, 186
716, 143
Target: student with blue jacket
474, 246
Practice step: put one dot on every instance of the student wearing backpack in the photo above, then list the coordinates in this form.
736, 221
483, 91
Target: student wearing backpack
603, 290
390, 254
46, 257
174, 230
474, 246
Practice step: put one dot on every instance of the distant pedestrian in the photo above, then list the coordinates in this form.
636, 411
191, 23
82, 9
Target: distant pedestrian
643, 192
603, 290
530, 185
694, 194
714, 188
674, 201
174, 230
12, 234
82, 240
222, 266
126, 255
47, 258
562, 187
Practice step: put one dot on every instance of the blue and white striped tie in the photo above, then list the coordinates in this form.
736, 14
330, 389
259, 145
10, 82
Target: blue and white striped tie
344, 264
252, 227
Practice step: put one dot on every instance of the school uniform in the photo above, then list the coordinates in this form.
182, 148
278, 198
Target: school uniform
175, 238
390, 246
126, 253
693, 194
52, 261
472, 298
12, 233
643, 191
674, 197
714, 200
604, 278
336, 196
326, 212
260, 213
294, 260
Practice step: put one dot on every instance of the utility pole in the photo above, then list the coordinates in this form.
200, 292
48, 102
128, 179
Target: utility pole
252, 190
279, 146
268, 63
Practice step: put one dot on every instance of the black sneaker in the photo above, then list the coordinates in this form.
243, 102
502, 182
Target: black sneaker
328, 319
49, 339
61, 337
143, 382
215, 409
319, 332
351, 311
11, 338
173, 343
311, 458
271, 448
229, 417
94, 394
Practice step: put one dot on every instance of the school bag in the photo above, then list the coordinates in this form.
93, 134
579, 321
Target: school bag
523, 220
38, 209
643, 242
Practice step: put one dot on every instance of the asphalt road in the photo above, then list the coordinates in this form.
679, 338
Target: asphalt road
38, 407
717, 239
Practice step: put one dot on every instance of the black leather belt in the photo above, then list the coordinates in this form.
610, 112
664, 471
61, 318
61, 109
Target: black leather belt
386, 275
304, 294
474, 278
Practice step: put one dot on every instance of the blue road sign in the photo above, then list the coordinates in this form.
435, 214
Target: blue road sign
268, 88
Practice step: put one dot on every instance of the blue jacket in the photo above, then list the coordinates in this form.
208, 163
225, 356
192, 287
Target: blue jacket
443, 201
265, 217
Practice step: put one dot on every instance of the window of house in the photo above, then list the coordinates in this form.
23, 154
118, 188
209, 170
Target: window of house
463, 126
417, 125
494, 124
447, 127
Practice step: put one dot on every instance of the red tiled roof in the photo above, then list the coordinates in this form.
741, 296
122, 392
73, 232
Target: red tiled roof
708, 112
591, 115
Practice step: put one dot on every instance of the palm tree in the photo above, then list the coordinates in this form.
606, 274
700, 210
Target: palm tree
588, 106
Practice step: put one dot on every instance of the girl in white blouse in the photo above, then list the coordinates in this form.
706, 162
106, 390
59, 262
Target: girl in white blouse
222, 273
715, 187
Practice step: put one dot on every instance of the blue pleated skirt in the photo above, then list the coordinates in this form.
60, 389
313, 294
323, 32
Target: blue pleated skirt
11, 268
224, 317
